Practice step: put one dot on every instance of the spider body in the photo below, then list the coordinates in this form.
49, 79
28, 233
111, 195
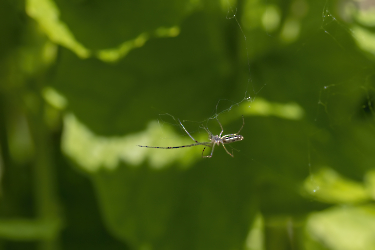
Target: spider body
231, 138
214, 140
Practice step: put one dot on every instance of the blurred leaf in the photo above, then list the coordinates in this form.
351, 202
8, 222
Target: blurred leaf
114, 22
47, 15
124, 73
344, 227
329, 186
198, 208
92, 88
22, 229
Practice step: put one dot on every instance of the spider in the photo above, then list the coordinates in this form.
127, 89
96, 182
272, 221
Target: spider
214, 140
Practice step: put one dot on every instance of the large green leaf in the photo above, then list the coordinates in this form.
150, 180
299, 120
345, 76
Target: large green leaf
127, 72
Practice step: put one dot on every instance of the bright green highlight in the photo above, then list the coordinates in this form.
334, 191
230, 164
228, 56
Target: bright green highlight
262, 107
366, 17
364, 38
344, 228
328, 186
54, 98
93, 152
290, 30
370, 183
271, 18
255, 238
49, 52
46, 13
115, 54
253, 14
167, 32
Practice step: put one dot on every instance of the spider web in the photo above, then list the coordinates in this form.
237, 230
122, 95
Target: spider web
340, 107
224, 106
304, 81
340, 145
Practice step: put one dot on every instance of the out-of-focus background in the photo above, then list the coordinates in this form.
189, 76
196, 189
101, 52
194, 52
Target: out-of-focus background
83, 82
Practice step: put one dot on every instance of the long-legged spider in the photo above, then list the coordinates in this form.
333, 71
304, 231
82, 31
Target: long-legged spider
214, 140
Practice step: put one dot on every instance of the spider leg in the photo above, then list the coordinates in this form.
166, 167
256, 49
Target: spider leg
212, 151
203, 152
208, 131
220, 127
184, 146
227, 150
186, 131
243, 123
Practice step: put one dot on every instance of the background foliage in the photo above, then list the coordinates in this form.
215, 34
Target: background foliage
82, 83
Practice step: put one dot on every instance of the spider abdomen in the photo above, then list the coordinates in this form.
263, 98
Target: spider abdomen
232, 138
